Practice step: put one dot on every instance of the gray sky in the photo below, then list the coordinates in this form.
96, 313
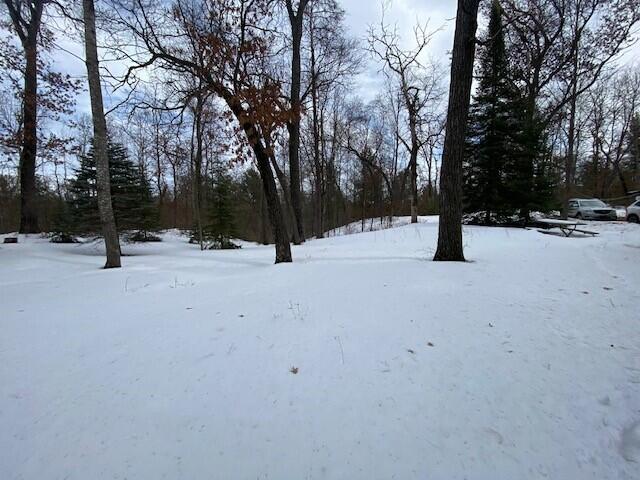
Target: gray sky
405, 14
359, 15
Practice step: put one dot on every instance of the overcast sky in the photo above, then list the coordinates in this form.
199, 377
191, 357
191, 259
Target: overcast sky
405, 14
359, 15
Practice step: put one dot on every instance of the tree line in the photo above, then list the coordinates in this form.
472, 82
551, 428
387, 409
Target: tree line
238, 118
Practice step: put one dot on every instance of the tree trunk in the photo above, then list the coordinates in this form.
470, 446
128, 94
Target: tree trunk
571, 159
103, 181
413, 153
450, 246
317, 161
293, 125
282, 179
27, 29
276, 218
196, 160
414, 181
175, 195
28, 189
264, 219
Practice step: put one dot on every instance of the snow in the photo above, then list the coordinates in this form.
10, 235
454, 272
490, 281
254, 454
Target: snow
523, 363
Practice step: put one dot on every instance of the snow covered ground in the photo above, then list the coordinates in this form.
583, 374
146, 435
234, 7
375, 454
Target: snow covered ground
523, 363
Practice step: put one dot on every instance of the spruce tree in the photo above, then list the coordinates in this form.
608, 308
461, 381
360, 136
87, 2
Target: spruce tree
494, 133
133, 205
220, 228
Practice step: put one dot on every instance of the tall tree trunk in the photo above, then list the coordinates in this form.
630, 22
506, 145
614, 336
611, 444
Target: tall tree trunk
571, 159
414, 181
197, 169
317, 161
103, 181
175, 196
28, 189
264, 219
293, 126
413, 153
450, 246
276, 218
284, 185
27, 29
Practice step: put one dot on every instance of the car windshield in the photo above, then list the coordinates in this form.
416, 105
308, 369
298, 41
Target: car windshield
592, 203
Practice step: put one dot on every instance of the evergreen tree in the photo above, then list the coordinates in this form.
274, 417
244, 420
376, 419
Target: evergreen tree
528, 184
502, 139
494, 130
62, 227
220, 228
133, 204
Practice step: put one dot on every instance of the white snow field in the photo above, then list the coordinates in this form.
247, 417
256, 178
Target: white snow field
523, 363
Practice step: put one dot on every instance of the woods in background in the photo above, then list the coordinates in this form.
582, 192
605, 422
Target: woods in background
238, 119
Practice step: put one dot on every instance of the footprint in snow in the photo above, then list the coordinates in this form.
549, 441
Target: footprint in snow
495, 435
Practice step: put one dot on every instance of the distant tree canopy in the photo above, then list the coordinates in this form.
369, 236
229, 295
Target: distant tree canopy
245, 120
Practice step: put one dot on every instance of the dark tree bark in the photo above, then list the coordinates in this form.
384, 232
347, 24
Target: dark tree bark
464, 44
414, 182
28, 29
293, 126
317, 160
286, 193
571, 158
196, 158
28, 191
274, 210
103, 181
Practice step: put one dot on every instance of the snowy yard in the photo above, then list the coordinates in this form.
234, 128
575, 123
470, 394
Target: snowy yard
523, 363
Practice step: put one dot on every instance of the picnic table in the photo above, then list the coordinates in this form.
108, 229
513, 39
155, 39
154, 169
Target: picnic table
567, 227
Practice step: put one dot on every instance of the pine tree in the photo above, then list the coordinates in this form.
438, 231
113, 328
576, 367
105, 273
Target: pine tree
494, 133
133, 204
220, 228
62, 227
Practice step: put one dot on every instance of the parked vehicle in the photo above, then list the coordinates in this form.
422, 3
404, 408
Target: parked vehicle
621, 212
591, 209
633, 212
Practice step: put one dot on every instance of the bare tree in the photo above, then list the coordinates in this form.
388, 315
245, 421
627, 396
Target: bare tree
296, 17
226, 45
416, 82
26, 20
103, 182
450, 246
332, 59
612, 106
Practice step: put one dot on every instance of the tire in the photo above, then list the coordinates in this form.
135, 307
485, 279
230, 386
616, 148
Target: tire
579, 216
633, 218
